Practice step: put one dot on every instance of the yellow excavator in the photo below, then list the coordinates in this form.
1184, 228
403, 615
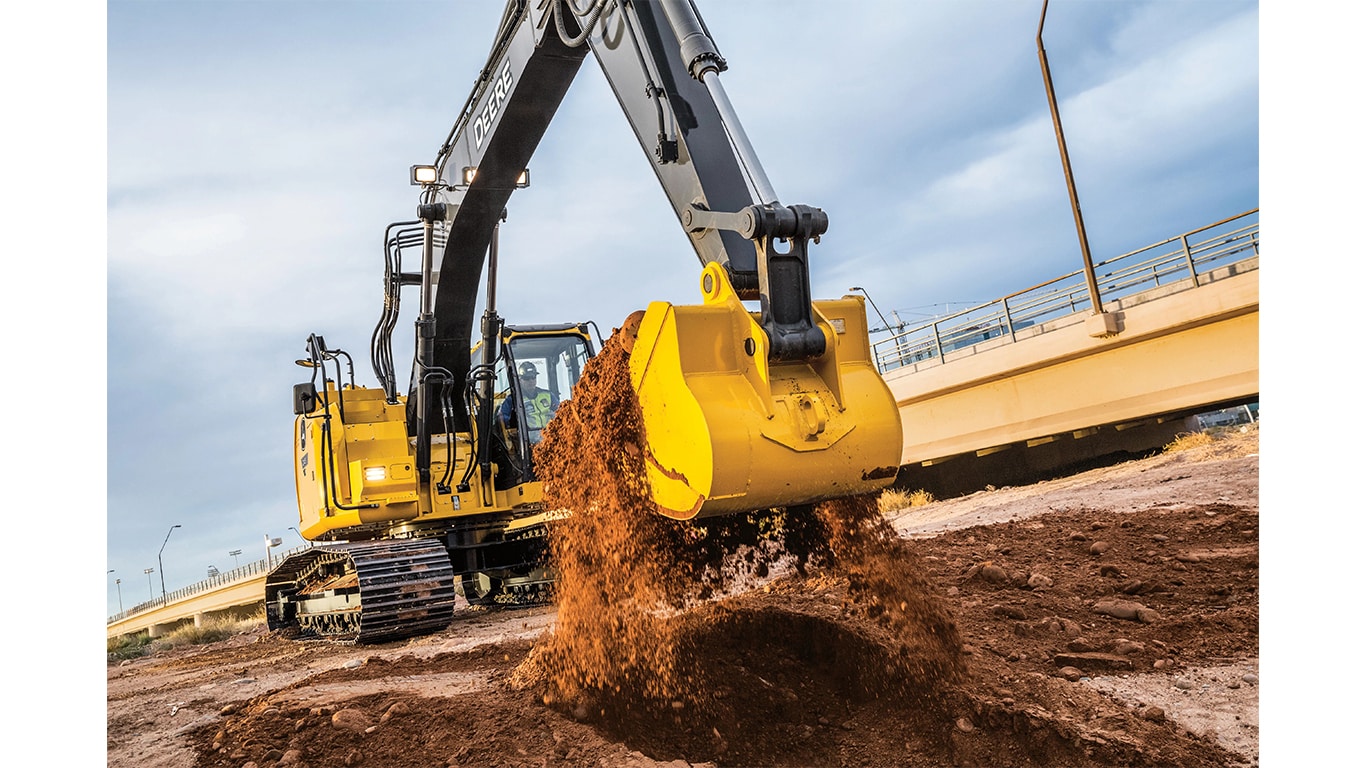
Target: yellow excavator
413, 496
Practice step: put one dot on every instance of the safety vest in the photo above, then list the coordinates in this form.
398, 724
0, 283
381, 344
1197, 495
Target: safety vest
539, 408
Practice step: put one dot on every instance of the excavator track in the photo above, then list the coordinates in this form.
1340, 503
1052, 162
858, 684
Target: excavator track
365, 592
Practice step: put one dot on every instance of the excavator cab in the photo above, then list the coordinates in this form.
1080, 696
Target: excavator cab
536, 373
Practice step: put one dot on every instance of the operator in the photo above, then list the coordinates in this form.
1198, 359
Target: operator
537, 404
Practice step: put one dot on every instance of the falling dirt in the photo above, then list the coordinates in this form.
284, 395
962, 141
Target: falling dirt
1099, 620
629, 579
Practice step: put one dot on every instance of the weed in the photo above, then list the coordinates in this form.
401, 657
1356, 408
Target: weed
208, 631
1186, 441
894, 498
127, 646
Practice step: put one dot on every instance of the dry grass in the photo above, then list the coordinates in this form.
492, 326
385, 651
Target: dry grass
208, 631
893, 499
1189, 441
1217, 442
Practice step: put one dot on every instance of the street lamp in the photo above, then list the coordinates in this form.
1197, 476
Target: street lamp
271, 543
149, 572
886, 326
234, 554
159, 566
117, 582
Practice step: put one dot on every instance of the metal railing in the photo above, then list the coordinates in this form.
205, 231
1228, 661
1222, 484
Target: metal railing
1190, 259
240, 573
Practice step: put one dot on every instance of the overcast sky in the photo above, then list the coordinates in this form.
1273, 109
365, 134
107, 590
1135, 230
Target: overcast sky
257, 150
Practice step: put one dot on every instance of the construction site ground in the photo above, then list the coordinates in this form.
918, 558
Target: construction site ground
1109, 618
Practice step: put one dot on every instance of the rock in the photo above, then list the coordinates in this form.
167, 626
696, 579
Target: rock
1127, 647
994, 574
1250, 678
1109, 570
1099, 548
1077, 536
1008, 611
396, 709
1082, 645
272, 755
1039, 581
354, 664
1185, 685
1093, 661
1187, 557
1070, 674
1162, 664
1127, 610
291, 757
1159, 537
1153, 714
965, 725
352, 720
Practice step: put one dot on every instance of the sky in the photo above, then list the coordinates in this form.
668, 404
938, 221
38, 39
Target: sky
257, 150
252, 152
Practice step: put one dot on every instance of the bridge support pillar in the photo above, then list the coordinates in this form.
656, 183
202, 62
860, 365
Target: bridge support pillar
199, 621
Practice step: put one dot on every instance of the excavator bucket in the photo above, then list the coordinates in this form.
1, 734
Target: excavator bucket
731, 431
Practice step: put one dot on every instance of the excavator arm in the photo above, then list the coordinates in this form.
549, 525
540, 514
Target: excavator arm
755, 400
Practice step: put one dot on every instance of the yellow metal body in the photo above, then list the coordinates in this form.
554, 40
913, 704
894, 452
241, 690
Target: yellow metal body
360, 472
728, 430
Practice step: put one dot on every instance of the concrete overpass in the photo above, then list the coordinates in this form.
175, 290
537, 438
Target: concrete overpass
1037, 380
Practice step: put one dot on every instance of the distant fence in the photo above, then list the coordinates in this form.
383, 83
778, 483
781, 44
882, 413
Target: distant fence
1186, 257
213, 582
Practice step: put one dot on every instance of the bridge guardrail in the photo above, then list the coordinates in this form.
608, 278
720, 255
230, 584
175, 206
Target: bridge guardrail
1185, 257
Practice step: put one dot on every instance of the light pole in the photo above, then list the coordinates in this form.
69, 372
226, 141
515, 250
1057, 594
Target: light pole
270, 543
300, 535
234, 554
886, 326
149, 572
117, 582
159, 566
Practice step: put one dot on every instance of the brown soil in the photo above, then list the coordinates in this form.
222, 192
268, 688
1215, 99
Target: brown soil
836, 660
